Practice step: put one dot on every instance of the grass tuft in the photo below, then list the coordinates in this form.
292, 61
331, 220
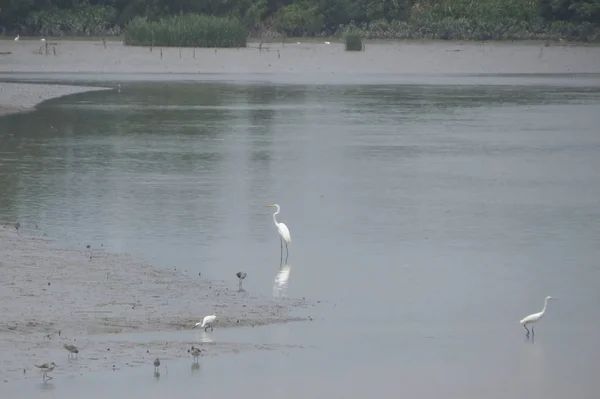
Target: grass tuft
186, 30
353, 40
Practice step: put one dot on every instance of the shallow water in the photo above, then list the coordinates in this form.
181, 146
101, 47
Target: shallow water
428, 218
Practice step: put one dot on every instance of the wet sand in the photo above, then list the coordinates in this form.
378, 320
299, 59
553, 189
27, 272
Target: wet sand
312, 57
51, 295
19, 97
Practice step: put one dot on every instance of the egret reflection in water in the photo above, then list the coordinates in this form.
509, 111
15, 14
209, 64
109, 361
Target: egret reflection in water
281, 282
203, 337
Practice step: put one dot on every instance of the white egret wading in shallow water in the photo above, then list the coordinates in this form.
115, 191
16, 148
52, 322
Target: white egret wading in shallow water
208, 321
534, 318
284, 232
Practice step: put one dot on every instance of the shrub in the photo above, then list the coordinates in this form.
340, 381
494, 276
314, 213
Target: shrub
298, 19
85, 19
186, 30
353, 40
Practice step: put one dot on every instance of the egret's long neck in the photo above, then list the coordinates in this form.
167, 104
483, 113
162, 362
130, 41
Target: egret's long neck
545, 306
275, 214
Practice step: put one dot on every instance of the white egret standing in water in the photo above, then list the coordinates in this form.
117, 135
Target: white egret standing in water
534, 318
283, 231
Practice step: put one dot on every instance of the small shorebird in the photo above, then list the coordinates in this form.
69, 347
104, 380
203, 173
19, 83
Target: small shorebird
72, 349
46, 368
241, 276
208, 321
156, 364
195, 353
17, 227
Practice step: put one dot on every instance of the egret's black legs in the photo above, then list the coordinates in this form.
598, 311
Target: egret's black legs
281, 251
527, 329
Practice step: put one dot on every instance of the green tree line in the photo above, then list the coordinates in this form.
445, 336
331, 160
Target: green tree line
443, 19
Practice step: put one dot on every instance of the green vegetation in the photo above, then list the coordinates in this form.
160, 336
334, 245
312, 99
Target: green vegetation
353, 40
186, 30
401, 19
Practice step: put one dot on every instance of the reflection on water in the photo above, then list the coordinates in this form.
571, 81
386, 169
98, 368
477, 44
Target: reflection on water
46, 386
203, 336
281, 282
195, 369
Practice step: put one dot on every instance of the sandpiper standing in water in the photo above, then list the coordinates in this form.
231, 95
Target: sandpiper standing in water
241, 276
196, 353
45, 369
72, 350
156, 364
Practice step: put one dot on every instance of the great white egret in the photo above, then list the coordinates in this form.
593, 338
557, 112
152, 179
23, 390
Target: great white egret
534, 318
208, 321
17, 38
241, 276
283, 231
45, 369
156, 364
72, 350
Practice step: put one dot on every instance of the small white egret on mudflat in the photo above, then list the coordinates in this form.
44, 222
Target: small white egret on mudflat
534, 318
17, 38
283, 231
208, 321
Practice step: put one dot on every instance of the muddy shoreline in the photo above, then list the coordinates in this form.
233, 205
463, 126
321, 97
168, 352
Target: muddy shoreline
303, 58
51, 295
23, 97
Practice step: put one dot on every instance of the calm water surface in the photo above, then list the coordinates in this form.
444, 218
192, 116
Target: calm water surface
427, 219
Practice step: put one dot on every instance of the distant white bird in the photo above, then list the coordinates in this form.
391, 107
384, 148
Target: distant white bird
45, 369
327, 42
283, 231
208, 321
42, 40
17, 38
534, 318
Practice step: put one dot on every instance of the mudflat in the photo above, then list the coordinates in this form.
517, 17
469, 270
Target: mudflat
302, 57
51, 295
